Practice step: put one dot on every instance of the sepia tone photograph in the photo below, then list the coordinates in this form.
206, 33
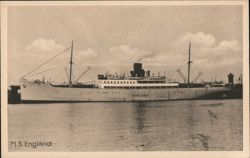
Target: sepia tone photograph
125, 77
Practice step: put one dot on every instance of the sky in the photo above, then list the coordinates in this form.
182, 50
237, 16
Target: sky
110, 39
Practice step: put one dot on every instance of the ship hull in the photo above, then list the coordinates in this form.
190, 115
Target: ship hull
44, 92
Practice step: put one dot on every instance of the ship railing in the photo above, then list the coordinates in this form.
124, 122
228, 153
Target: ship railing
139, 87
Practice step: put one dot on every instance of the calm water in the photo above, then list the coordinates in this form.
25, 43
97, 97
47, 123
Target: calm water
128, 126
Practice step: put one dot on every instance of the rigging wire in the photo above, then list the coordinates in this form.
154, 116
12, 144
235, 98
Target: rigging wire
45, 62
41, 72
67, 74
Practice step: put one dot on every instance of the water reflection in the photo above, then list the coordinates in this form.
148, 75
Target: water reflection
69, 122
139, 117
141, 126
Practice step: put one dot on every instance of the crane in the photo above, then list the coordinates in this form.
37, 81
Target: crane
182, 75
88, 68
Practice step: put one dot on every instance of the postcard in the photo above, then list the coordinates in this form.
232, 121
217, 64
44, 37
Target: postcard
125, 79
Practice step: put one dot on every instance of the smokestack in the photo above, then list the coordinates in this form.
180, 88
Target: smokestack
138, 71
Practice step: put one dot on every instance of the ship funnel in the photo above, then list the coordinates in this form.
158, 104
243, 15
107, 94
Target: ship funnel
138, 71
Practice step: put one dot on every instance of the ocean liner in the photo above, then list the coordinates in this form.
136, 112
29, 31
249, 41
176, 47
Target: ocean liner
140, 85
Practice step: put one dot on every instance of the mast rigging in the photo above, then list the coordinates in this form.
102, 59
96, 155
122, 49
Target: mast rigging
36, 68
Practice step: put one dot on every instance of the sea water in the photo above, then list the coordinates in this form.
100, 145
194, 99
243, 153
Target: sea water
194, 125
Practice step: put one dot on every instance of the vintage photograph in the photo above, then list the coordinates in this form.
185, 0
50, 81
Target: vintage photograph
97, 78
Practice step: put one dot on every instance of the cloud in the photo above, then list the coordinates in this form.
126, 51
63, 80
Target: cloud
86, 56
204, 51
204, 46
131, 54
122, 49
207, 55
41, 50
232, 45
199, 38
44, 45
89, 52
210, 55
